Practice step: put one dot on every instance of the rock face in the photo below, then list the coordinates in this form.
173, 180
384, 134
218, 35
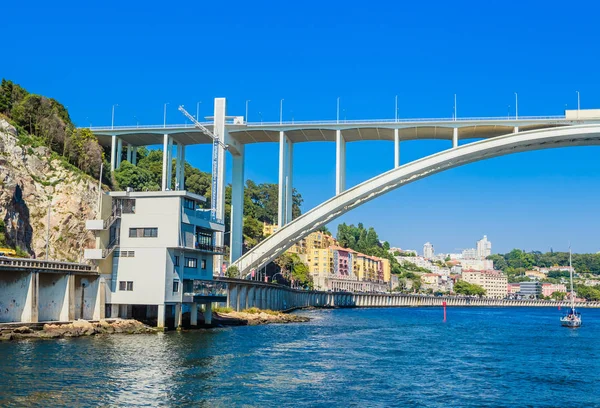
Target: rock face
30, 179
76, 329
256, 317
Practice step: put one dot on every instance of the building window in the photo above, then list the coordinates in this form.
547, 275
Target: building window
126, 285
189, 204
204, 238
176, 261
143, 232
203, 264
191, 263
124, 254
175, 286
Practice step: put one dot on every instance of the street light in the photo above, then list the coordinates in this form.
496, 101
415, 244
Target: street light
198, 111
455, 107
246, 118
112, 126
396, 109
165, 115
281, 111
338, 110
516, 106
136, 121
260, 115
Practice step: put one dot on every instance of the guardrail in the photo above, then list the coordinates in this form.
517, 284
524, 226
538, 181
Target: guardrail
26, 263
561, 118
205, 288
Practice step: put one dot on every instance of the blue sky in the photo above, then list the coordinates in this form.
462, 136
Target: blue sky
141, 55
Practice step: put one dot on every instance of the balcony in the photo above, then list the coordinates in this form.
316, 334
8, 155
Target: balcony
100, 253
101, 225
204, 291
209, 248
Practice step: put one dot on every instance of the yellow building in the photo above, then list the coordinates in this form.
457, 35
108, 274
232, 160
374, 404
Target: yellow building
495, 283
269, 229
535, 274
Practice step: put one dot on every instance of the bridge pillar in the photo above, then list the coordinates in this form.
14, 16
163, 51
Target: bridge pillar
113, 152
134, 156
396, 148
237, 205
160, 318
170, 164
455, 137
220, 112
516, 129
165, 180
30, 310
194, 314
340, 162
180, 167
286, 151
67, 311
119, 152
129, 153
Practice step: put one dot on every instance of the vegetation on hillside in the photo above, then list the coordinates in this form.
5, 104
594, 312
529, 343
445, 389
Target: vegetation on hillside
293, 269
521, 260
43, 121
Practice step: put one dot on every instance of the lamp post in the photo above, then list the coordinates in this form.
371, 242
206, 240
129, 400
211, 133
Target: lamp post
260, 115
112, 126
455, 107
338, 110
516, 106
165, 115
137, 122
246, 118
198, 111
396, 108
281, 111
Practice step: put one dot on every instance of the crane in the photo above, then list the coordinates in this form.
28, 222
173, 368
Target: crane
215, 158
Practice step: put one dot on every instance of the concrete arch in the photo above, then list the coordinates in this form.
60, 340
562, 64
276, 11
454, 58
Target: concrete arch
276, 244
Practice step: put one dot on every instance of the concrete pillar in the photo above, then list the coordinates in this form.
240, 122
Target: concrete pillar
516, 129
165, 161
67, 311
455, 137
119, 152
113, 152
114, 311
129, 153
177, 315
340, 162
194, 314
177, 165
30, 310
220, 112
396, 148
100, 305
237, 206
160, 318
208, 313
170, 163
182, 165
289, 184
283, 179
134, 156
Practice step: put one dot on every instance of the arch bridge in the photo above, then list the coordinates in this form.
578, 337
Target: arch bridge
500, 136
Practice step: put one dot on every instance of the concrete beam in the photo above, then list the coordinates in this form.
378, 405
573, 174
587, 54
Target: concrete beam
113, 152
237, 206
396, 148
165, 161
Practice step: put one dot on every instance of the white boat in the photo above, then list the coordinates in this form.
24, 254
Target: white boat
573, 318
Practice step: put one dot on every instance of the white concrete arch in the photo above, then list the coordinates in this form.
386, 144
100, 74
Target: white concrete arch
276, 244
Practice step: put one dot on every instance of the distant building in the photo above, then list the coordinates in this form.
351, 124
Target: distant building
513, 288
470, 253
495, 283
428, 251
269, 229
549, 288
477, 264
484, 248
531, 289
535, 274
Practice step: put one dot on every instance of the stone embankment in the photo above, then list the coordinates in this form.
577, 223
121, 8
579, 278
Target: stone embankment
255, 317
75, 329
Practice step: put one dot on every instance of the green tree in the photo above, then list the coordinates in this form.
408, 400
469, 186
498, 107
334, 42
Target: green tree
470, 289
138, 178
232, 272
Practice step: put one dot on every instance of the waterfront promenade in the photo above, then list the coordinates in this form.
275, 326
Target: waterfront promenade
243, 294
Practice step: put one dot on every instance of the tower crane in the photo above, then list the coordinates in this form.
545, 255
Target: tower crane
215, 158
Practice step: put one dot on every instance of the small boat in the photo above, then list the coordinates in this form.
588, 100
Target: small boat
573, 318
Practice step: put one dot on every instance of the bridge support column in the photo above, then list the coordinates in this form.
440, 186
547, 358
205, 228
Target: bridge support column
160, 319
237, 206
220, 112
455, 137
286, 150
180, 167
129, 153
119, 152
194, 314
30, 310
516, 129
165, 180
134, 156
340, 162
170, 164
113, 152
67, 311
396, 148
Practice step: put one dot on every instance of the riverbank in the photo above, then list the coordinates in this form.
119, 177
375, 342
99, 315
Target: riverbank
255, 316
77, 328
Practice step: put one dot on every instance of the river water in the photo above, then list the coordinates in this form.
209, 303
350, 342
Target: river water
343, 358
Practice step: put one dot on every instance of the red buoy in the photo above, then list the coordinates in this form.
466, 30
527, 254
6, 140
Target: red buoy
444, 304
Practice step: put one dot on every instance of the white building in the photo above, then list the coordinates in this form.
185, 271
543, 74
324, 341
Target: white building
477, 264
484, 248
469, 253
155, 251
428, 251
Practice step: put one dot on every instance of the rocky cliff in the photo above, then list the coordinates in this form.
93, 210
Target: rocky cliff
31, 182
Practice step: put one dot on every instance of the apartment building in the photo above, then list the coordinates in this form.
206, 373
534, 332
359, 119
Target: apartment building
495, 283
156, 252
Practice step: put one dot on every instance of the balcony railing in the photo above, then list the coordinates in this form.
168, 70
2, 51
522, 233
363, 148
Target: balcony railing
207, 288
210, 248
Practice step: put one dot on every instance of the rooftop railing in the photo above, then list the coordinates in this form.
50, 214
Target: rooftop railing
25, 263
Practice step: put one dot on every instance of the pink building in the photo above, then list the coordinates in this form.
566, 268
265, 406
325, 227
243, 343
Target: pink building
549, 288
514, 287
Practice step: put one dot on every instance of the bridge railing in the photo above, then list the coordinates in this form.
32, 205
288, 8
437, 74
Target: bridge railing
26, 263
343, 122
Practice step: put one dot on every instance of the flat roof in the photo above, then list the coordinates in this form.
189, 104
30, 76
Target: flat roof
157, 194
